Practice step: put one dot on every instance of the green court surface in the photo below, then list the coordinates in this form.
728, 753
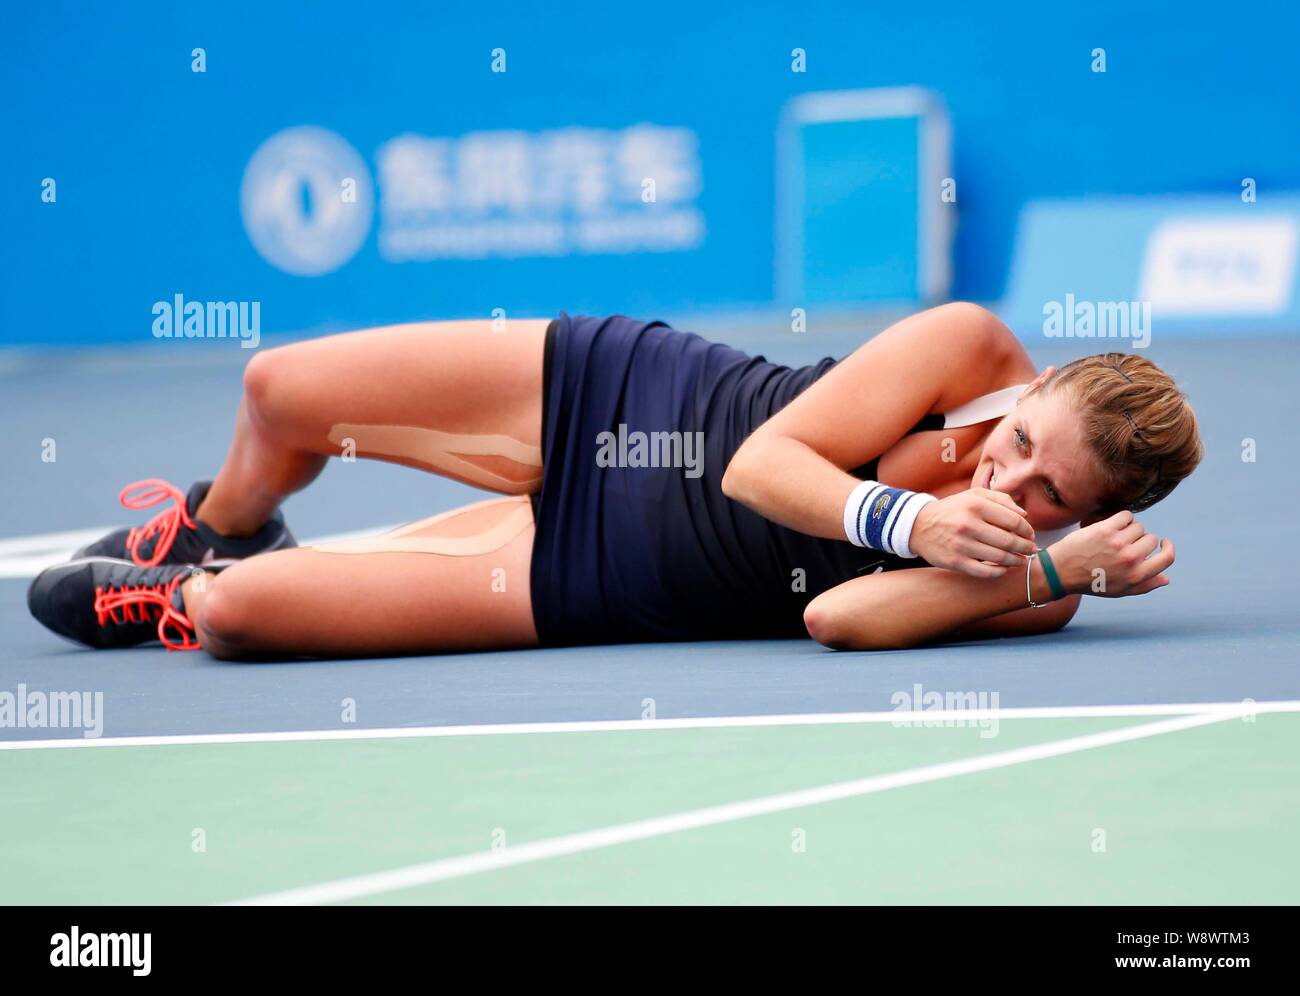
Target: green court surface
1149, 809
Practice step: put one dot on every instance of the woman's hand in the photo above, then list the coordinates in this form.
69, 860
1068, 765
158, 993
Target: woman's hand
1112, 558
977, 532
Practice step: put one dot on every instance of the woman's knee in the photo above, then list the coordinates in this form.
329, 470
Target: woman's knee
274, 393
227, 620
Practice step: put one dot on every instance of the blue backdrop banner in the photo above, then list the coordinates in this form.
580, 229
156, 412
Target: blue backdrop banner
333, 165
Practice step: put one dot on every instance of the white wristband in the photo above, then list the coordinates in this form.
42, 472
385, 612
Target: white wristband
881, 517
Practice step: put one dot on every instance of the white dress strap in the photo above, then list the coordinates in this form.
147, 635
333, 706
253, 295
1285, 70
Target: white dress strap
984, 408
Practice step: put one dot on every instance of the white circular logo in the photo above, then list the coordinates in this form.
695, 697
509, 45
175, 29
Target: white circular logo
306, 200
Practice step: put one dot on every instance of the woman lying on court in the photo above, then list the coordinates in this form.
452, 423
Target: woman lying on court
656, 487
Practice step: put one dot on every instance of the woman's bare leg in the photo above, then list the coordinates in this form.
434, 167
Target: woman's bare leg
310, 603
462, 399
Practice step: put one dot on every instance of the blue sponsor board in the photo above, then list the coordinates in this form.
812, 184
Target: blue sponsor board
341, 165
1124, 269
865, 198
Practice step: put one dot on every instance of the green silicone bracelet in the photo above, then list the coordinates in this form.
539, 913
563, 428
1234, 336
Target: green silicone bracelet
1049, 570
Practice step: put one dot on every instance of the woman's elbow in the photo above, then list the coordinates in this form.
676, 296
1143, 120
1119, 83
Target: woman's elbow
729, 485
836, 630
737, 478
821, 625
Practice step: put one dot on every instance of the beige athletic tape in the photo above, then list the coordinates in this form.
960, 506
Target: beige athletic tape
442, 450
416, 537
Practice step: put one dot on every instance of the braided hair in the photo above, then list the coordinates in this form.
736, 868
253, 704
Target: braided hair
1139, 425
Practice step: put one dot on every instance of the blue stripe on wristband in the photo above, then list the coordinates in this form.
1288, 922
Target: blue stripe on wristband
881, 517
882, 513
868, 490
905, 497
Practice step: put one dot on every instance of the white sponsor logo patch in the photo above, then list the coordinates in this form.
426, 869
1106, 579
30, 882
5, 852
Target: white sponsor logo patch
1220, 266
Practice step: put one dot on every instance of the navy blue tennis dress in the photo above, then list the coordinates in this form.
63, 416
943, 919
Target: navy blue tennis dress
628, 553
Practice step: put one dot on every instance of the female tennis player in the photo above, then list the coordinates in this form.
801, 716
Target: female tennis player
655, 486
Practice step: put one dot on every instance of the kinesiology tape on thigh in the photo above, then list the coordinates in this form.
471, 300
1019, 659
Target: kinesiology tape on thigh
426, 536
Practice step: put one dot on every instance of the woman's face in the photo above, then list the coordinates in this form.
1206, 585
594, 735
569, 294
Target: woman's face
1037, 456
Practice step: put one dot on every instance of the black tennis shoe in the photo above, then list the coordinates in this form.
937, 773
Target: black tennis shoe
101, 602
175, 536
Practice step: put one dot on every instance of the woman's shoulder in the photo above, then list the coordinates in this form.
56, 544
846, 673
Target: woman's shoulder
982, 328
993, 357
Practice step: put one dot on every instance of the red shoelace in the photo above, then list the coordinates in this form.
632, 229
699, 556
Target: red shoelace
143, 603
165, 525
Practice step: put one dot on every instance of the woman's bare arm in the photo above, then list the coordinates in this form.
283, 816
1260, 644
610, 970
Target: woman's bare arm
902, 609
794, 469
909, 608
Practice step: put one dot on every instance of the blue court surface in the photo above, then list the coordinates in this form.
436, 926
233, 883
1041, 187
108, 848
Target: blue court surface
1148, 753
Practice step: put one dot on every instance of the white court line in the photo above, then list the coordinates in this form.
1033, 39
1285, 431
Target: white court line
27, 556
31, 565
44, 542
361, 886
920, 717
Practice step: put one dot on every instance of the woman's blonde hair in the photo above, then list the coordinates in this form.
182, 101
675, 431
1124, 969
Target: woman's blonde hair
1139, 425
